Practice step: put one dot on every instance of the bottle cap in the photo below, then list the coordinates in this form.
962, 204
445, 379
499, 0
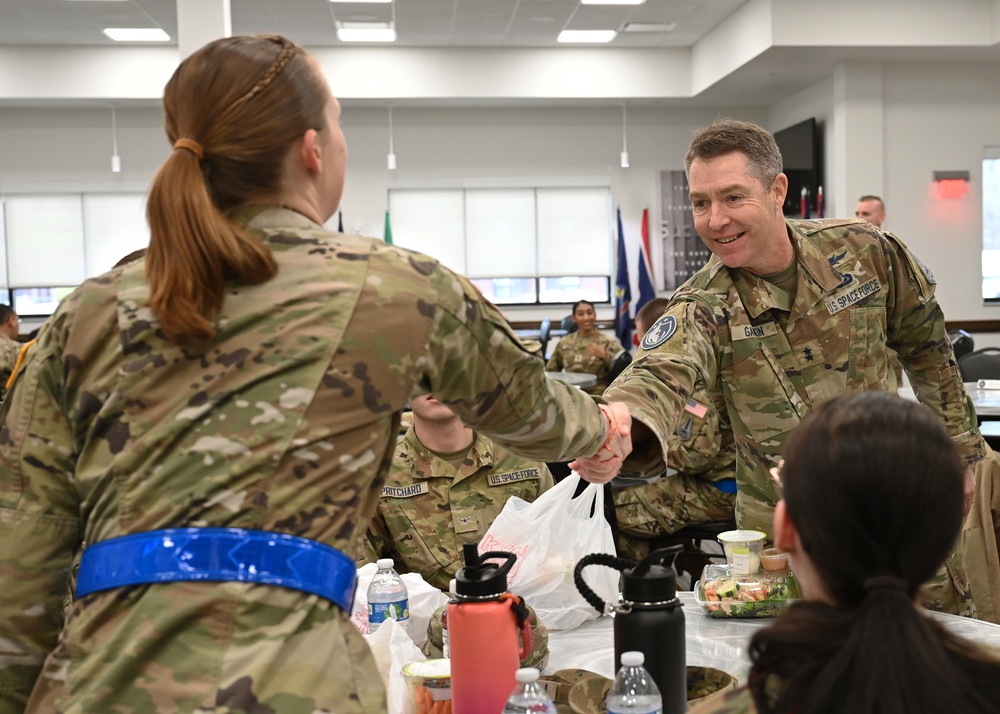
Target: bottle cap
633, 659
479, 578
528, 674
654, 579
384, 563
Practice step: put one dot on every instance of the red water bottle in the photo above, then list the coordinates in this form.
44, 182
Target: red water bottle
483, 626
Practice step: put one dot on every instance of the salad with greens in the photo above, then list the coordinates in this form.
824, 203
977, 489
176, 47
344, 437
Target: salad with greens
722, 594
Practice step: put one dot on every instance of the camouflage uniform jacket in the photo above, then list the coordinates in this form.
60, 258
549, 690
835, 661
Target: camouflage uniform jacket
9, 351
428, 510
571, 355
284, 421
775, 357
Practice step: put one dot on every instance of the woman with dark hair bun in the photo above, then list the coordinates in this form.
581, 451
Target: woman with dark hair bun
872, 500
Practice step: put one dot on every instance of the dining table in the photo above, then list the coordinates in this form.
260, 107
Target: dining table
985, 396
722, 643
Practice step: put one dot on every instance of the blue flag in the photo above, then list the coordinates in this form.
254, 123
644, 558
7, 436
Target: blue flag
646, 290
623, 293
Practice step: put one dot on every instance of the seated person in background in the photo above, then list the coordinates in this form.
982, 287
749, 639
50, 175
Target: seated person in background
872, 502
702, 451
587, 349
446, 486
10, 348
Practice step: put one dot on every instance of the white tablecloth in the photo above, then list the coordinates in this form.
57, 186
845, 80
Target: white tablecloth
711, 642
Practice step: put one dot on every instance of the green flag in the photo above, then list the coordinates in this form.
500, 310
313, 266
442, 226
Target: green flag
388, 228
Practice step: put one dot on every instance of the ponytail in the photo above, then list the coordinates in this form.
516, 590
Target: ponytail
233, 110
188, 273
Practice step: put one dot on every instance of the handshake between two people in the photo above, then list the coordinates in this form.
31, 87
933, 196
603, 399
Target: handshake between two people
607, 462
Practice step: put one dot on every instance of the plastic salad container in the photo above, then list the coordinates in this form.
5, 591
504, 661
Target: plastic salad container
723, 593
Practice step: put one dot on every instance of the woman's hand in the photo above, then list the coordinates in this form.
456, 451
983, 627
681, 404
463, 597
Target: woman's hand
607, 462
595, 350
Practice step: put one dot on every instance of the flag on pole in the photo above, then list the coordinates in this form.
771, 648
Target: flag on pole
646, 290
388, 228
623, 293
340, 221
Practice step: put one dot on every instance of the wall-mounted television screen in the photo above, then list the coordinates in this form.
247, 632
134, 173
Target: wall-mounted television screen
802, 155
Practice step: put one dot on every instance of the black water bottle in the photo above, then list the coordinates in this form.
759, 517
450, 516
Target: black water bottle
650, 620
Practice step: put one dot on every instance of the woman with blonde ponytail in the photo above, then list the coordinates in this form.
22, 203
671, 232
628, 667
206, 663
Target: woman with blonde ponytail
872, 502
212, 423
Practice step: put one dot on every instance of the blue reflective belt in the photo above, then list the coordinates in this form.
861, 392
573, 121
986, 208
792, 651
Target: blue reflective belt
726, 485
218, 554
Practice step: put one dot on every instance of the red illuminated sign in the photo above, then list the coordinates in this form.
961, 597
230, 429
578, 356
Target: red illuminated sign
951, 188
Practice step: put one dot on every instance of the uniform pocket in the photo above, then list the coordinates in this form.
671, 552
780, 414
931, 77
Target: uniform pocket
867, 358
765, 399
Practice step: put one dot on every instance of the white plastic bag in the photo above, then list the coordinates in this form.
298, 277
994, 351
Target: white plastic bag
549, 537
393, 649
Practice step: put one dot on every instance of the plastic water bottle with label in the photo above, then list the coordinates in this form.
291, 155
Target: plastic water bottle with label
529, 696
387, 597
634, 691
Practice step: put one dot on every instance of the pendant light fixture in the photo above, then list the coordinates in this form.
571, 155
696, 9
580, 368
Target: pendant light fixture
116, 160
391, 159
624, 156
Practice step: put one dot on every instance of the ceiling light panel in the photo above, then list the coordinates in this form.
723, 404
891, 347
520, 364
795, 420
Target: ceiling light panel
366, 32
586, 36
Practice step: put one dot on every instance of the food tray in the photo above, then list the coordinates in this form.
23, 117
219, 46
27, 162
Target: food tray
719, 593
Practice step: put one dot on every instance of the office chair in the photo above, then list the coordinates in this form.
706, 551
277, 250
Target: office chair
568, 325
981, 364
618, 365
961, 342
544, 332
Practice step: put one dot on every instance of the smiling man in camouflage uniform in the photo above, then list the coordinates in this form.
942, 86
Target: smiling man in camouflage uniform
786, 315
446, 486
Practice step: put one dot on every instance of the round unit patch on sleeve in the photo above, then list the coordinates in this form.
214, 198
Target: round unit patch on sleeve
661, 331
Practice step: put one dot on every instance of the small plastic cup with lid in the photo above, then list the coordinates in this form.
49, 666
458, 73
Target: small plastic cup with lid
773, 559
742, 550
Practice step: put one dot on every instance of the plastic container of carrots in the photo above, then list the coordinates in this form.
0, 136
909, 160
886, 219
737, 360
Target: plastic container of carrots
430, 686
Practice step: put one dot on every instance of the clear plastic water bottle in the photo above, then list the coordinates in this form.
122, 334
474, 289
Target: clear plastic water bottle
387, 597
634, 691
529, 696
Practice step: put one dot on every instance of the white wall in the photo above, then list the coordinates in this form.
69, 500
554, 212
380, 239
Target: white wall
939, 117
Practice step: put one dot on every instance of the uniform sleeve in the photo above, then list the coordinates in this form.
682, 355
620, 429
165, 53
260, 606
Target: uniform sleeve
917, 332
9, 351
662, 378
479, 369
555, 362
38, 506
